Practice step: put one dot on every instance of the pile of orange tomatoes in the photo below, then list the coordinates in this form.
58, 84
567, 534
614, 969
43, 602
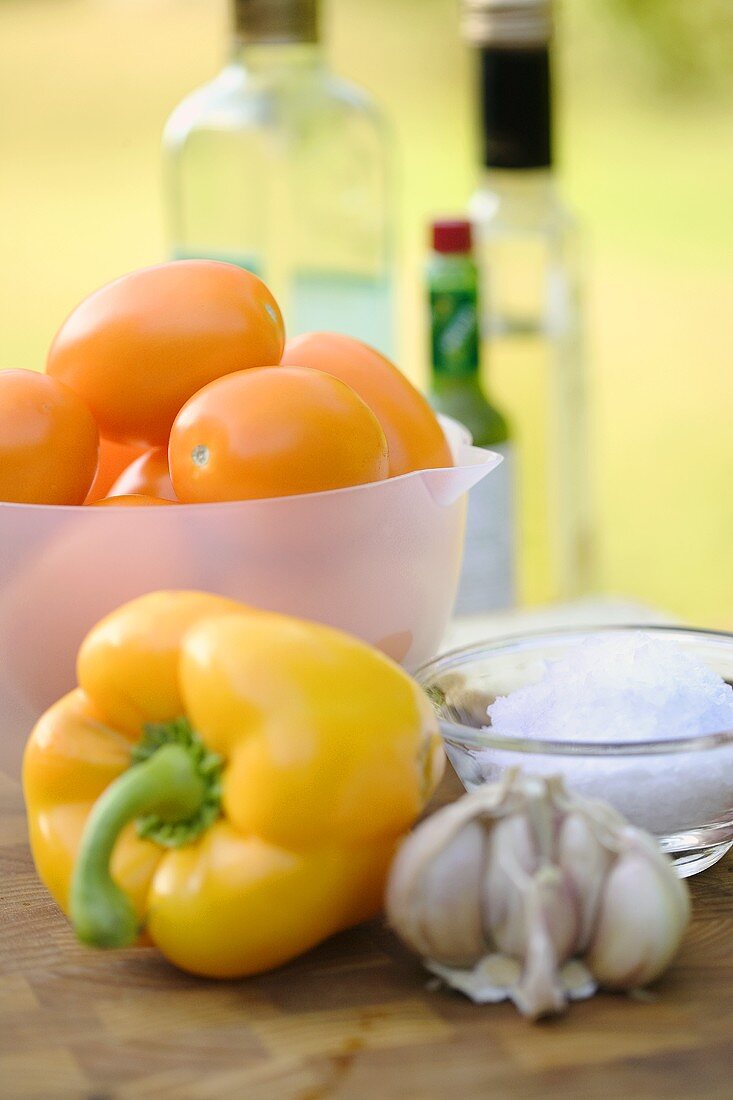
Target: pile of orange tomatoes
174, 384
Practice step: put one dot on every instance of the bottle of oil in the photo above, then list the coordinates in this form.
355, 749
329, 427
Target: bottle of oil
280, 166
527, 253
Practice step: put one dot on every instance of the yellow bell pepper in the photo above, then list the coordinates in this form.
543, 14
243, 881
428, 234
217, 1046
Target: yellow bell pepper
230, 781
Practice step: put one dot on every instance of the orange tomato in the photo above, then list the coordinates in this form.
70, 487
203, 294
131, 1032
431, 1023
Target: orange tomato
138, 348
134, 500
147, 475
49, 443
113, 459
414, 435
274, 432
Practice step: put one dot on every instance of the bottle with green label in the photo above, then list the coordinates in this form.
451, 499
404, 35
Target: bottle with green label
487, 580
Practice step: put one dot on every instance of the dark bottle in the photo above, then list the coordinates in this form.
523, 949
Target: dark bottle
527, 250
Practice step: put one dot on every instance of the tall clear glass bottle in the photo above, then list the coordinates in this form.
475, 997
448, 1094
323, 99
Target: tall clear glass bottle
527, 252
280, 166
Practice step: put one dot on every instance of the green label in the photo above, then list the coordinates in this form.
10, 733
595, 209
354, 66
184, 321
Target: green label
455, 332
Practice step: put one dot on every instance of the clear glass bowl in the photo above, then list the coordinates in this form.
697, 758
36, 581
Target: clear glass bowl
679, 789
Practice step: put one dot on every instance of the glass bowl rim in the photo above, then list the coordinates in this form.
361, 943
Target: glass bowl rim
462, 736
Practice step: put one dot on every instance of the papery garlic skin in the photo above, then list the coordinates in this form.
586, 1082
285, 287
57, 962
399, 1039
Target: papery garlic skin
523, 878
539, 991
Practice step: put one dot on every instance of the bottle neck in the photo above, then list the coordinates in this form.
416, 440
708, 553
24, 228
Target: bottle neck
269, 56
515, 100
517, 196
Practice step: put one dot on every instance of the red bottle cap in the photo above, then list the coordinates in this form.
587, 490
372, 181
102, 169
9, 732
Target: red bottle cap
452, 236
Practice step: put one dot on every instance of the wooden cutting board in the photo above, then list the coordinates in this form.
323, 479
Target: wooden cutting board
356, 1019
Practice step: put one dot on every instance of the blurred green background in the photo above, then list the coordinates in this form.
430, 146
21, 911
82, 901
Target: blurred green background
645, 90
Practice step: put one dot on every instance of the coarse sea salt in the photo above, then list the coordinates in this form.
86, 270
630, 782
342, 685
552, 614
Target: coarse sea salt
626, 687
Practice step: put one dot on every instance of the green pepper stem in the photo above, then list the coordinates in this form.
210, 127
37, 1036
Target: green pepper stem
167, 784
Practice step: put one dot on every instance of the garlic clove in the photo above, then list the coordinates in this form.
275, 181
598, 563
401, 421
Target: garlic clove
445, 923
585, 862
450, 913
679, 894
642, 916
514, 861
433, 902
511, 860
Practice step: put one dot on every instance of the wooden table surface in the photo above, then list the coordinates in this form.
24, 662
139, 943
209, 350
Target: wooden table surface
356, 1019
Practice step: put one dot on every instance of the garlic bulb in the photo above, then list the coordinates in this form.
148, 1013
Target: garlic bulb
523, 889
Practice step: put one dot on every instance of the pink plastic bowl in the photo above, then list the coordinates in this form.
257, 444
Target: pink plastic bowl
380, 561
